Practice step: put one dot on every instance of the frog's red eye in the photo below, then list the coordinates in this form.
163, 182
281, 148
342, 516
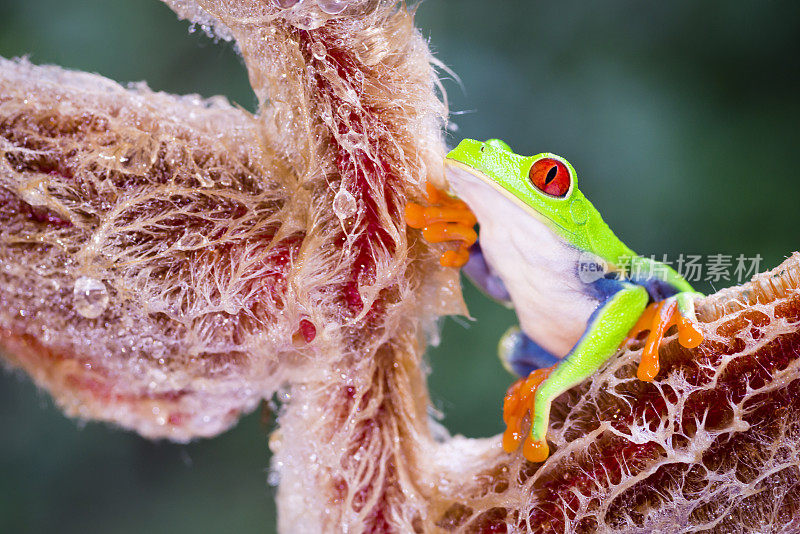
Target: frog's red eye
550, 176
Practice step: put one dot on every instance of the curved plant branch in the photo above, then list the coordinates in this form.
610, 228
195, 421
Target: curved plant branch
170, 261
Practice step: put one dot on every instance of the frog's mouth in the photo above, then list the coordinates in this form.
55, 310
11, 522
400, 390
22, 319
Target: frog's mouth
485, 197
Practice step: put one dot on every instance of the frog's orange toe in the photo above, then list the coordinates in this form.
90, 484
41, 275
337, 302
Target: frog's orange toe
644, 323
415, 215
455, 258
439, 232
513, 435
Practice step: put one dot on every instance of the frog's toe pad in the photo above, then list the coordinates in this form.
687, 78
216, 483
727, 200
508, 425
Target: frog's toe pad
689, 334
535, 450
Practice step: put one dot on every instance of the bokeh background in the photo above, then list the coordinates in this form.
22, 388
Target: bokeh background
682, 119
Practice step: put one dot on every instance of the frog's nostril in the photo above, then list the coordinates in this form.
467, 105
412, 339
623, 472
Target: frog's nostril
483, 148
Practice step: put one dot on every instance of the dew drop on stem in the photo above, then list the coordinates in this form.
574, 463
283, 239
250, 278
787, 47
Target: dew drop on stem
318, 50
89, 297
191, 240
285, 3
344, 204
332, 7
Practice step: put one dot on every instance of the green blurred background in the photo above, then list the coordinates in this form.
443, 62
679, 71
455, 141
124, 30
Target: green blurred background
682, 119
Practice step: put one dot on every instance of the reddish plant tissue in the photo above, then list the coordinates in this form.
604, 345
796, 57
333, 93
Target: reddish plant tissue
168, 262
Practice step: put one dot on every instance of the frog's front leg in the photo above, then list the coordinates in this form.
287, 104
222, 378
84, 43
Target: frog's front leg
484, 277
525, 358
606, 330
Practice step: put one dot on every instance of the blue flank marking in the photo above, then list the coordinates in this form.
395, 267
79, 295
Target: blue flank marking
527, 356
603, 289
657, 289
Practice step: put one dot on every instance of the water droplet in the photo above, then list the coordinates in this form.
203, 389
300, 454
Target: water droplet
204, 180
275, 444
89, 297
285, 3
353, 139
191, 240
332, 7
358, 81
318, 50
325, 115
309, 22
344, 204
344, 111
34, 194
308, 330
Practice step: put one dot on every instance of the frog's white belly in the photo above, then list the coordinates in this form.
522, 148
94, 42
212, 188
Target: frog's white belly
539, 271
537, 267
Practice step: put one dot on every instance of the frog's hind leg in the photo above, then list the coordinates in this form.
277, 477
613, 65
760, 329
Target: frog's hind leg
523, 357
607, 328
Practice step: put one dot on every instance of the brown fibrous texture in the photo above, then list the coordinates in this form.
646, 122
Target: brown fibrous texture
169, 262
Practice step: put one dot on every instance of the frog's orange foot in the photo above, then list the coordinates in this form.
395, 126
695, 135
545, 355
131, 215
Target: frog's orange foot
658, 317
446, 219
519, 401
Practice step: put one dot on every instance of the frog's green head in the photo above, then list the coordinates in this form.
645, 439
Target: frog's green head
544, 185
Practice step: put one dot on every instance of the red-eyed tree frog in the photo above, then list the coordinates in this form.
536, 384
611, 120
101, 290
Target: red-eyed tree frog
578, 291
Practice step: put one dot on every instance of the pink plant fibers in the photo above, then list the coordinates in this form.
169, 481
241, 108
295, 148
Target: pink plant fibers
168, 262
